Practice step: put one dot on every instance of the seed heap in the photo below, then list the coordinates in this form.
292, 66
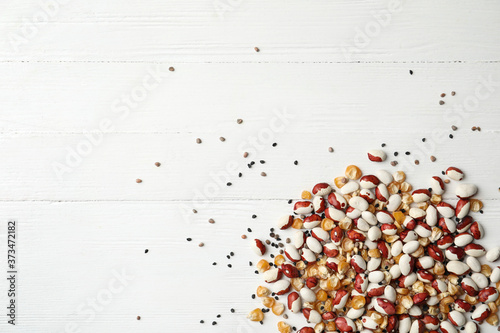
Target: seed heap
372, 253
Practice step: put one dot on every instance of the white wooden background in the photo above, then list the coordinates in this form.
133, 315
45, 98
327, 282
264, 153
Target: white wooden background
79, 228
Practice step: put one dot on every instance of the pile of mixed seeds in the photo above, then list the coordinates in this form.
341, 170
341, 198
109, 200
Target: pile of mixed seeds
372, 254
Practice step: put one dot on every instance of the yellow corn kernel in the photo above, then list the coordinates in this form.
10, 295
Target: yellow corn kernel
330, 326
256, 315
436, 199
268, 302
278, 308
353, 172
279, 260
320, 327
399, 216
297, 223
471, 300
399, 176
327, 224
263, 291
405, 187
476, 205
262, 266
297, 283
358, 302
486, 270
492, 319
284, 327
321, 295
340, 181
306, 195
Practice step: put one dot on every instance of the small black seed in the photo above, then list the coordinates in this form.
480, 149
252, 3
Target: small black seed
295, 162
290, 201
252, 163
189, 239
250, 263
481, 211
214, 323
253, 296
254, 216
275, 144
232, 254
451, 136
232, 310
411, 72
214, 263
146, 251
249, 230
202, 321
256, 272
240, 174
228, 257
383, 145
229, 184
229, 265
272, 256
407, 153
218, 316
396, 153
443, 173
423, 139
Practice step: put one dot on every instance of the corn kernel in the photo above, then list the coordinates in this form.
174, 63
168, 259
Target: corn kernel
256, 315
279, 260
262, 266
358, 302
278, 308
284, 327
340, 181
268, 302
399, 216
306, 195
263, 291
353, 172
297, 223
486, 270
321, 295
327, 224
492, 319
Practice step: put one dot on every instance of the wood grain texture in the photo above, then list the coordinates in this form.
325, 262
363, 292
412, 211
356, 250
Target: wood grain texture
88, 105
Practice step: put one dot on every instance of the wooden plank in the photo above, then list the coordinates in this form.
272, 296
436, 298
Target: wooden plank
228, 30
71, 253
208, 98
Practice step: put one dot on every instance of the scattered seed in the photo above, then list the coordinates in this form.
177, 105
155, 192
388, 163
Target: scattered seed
195, 211
229, 184
330, 149
263, 174
256, 49
423, 139
394, 163
240, 174
451, 136
138, 317
138, 181
407, 153
275, 144
454, 127
245, 154
239, 121
146, 251
396, 153
295, 162
198, 140
157, 164
474, 128
285, 316
441, 102
222, 139
214, 263
417, 162
290, 201
479, 129
189, 239
383, 145
243, 236
201, 244
171, 69
214, 323
453, 93
288, 240
232, 310
211, 221
202, 321
218, 316
249, 230
411, 72
433, 158
254, 216
443, 94
262, 162
229, 265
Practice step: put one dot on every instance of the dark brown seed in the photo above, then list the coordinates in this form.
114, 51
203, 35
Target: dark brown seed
394, 163
263, 174
211, 221
138, 317
239, 121
453, 93
138, 180
441, 102
417, 162
479, 129
171, 69
256, 49
285, 316
198, 140
454, 127
443, 94
288, 240
330, 149
157, 164
195, 211
222, 139
245, 154
433, 158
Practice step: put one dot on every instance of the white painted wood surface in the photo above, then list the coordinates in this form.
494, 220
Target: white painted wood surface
69, 79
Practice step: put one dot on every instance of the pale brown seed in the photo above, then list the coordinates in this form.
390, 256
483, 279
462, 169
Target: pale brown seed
201, 244
479, 129
138, 181
195, 211
157, 164
447, 181
454, 127
441, 102
245, 154
222, 139
239, 121
138, 317
171, 69
443, 94
198, 140
330, 149
263, 174
243, 236
433, 158
453, 93
394, 163
256, 49
211, 221
474, 128
417, 162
